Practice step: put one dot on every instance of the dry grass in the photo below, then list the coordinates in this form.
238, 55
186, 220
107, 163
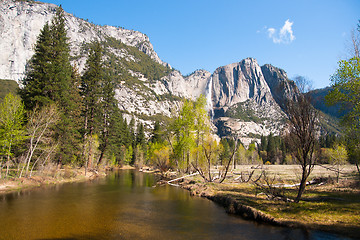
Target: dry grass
333, 207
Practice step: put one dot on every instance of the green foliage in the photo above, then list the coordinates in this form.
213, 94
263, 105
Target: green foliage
157, 134
346, 91
319, 102
49, 79
140, 136
91, 88
129, 155
143, 63
338, 157
273, 149
240, 156
8, 86
12, 130
159, 155
243, 112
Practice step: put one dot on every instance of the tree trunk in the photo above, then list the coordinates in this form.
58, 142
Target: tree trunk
102, 152
302, 185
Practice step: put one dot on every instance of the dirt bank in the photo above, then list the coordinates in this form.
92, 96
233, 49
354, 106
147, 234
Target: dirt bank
60, 176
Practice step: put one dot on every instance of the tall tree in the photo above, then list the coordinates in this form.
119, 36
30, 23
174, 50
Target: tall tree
346, 91
303, 123
64, 91
271, 148
183, 127
50, 78
40, 135
108, 110
156, 135
91, 91
38, 72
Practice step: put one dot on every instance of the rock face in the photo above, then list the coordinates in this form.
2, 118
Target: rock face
279, 84
21, 22
248, 99
191, 86
238, 82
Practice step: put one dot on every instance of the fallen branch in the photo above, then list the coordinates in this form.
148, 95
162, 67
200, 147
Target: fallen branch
177, 179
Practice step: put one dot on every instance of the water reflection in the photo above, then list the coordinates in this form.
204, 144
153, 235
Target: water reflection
126, 206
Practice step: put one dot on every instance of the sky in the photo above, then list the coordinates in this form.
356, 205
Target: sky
303, 37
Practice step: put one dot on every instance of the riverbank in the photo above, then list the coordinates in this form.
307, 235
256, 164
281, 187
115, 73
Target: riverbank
66, 174
328, 206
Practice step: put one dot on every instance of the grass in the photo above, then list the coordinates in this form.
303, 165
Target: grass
333, 207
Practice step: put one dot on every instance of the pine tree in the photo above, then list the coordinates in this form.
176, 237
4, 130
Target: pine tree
271, 149
38, 73
117, 136
91, 92
90, 87
108, 109
140, 135
156, 135
50, 78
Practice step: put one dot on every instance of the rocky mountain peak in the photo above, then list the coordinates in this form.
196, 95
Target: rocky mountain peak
281, 87
238, 82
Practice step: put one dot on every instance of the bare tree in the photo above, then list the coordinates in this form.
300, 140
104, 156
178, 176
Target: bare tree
39, 130
303, 123
208, 156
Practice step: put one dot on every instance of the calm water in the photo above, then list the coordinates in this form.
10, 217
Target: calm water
125, 205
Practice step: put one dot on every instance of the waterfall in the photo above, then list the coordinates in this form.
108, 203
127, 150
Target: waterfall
208, 95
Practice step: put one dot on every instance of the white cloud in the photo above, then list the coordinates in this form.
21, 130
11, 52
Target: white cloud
285, 35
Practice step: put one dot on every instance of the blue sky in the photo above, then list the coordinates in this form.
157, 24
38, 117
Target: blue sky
303, 37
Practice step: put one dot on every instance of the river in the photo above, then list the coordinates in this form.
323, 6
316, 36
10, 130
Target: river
126, 205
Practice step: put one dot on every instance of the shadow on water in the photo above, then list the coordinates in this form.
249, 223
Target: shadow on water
126, 205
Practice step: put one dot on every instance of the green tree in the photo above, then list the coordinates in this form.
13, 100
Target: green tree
157, 135
12, 132
140, 136
91, 92
225, 153
346, 91
208, 156
271, 149
240, 156
35, 91
129, 155
90, 87
251, 154
109, 109
159, 155
50, 78
183, 127
338, 158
